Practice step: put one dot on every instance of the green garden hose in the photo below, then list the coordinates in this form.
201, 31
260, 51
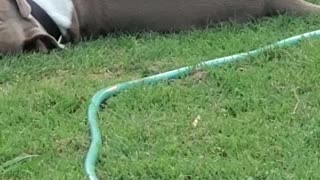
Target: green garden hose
104, 94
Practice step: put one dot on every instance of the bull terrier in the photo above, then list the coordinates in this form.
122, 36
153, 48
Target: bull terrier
41, 25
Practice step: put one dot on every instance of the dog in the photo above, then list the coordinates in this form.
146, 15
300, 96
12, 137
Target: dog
43, 25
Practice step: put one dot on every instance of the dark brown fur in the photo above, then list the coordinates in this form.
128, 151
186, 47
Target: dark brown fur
98, 17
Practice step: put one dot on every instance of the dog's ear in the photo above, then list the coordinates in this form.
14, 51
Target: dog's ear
24, 8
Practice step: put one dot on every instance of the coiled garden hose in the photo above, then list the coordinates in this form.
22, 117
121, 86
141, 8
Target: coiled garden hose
104, 94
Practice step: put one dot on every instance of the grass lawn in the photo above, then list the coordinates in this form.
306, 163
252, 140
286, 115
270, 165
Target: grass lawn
256, 119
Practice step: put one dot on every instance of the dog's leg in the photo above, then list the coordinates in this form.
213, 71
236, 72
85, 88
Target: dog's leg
295, 7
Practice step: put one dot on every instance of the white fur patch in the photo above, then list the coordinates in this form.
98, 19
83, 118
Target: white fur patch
60, 11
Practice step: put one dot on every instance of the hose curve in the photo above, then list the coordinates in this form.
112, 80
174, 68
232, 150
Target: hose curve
104, 94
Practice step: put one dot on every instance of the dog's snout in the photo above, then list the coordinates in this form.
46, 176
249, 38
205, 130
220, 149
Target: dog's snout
15, 38
10, 47
11, 38
40, 43
36, 44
